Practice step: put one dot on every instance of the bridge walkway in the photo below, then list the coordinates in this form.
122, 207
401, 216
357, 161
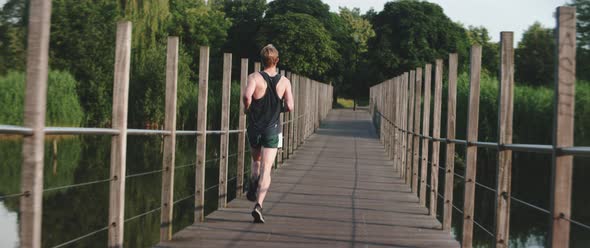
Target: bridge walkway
338, 190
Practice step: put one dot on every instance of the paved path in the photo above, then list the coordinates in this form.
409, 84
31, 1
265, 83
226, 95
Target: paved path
338, 190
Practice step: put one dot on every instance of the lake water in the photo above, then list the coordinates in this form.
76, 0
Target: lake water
71, 213
74, 212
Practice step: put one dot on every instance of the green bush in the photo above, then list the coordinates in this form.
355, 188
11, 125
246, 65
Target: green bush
533, 111
63, 106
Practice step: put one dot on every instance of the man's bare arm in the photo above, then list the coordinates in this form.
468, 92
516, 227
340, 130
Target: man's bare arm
289, 102
247, 96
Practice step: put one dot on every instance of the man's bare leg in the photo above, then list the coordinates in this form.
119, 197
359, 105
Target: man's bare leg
255, 153
268, 158
254, 174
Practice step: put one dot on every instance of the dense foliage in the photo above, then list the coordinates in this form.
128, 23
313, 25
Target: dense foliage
345, 47
410, 34
63, 105
535, 56
304, 43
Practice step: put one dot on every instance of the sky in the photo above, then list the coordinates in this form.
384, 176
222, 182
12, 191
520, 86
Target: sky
495, 15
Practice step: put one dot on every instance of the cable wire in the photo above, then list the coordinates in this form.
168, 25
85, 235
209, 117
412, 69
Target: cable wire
143, 214
580, 224
77, 185
183, 199
144, 173
12, 195
82, 237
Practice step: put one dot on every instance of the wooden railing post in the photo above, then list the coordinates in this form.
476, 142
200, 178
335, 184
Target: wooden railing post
563, 129
417, 115
404, 120
224, 137
425, 132
471, 154
296, 113
311, 108
436, 135
202, 137
291, 124
119, 143
280, 150
450, 160
396, 120
393, 102
397, 150
31, 204
305, 109
310, 100
242, 128
169, 141
411, 102
389, 112
390, 106
383, 110
318, 116
381, 117
302, 108
317, 102
304, 105
504, 169
399, 121
396, 98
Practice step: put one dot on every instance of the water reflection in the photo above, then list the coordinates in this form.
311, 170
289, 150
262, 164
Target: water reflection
8, 227
69, 213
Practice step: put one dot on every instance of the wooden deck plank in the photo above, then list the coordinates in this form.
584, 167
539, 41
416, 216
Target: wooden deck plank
338, 190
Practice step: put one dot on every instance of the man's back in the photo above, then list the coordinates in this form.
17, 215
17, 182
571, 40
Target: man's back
261, 85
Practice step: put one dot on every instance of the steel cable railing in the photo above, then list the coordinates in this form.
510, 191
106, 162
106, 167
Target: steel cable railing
535, 148
24, 131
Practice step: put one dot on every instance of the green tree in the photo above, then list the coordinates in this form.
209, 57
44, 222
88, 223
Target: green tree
82, 43
534, 56
490, 50
148, 17
63, 105
353, 48
583, 22
246, 17
315, 8
583, 41
305, 45
410, 34
199, 24
13, 27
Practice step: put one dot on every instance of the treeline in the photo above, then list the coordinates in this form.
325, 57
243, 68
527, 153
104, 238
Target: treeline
350, 49
83, 35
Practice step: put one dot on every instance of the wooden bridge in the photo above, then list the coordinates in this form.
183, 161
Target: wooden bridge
344, 178
338, 190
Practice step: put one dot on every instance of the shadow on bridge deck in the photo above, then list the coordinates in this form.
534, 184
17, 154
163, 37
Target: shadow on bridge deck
338, 190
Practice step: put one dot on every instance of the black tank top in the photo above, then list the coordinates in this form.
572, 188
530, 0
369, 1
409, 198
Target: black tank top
264, 113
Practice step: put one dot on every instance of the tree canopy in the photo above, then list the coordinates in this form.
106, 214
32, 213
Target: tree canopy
304, 44
410, 34
534, 56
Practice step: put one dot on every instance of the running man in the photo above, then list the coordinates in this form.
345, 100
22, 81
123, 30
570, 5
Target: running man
263, 99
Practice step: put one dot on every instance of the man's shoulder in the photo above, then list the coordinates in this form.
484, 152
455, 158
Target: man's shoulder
255, 76
285, 79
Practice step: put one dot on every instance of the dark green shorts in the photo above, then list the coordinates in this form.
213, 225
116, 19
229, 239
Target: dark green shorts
258, 140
